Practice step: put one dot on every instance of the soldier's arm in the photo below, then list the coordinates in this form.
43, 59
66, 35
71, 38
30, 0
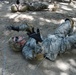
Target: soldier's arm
23, 27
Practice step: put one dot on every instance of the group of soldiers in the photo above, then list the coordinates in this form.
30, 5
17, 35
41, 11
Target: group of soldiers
34, 6
36, 47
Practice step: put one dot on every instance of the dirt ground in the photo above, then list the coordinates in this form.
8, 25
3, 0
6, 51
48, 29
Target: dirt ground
13, 63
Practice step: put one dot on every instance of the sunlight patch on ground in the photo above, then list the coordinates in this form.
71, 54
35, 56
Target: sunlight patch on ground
73, 5
49, 72
61, 11
31, 66
2, 3
6, 33
27, 17
66, 8
13, 74
74, 19
0, 6
62, 65
47, 20
50, 20
74, 29
63, 73
41, 23
45, 64
63, 3
17, 16
6, 2
11, 16
34, 13
57, 21
72, 62
41, 19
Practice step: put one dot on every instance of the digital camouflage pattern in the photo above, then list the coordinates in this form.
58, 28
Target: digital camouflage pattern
62, 40
32, 6
23, 27
37, 6
54, 44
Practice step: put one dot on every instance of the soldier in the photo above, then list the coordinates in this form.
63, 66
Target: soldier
57, 43
32, 6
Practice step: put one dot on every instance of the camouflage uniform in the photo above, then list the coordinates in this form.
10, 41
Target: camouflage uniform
54, 44
37, 6
32, 6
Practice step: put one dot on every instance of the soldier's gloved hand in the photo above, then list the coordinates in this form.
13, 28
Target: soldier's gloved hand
12, 28
35, 35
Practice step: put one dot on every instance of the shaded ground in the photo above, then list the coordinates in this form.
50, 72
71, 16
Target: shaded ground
12, 63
